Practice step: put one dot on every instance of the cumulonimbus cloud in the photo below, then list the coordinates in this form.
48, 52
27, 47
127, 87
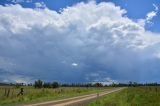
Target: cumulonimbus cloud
100, 38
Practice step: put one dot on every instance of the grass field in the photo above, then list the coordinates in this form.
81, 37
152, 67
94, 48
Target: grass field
132, 96
34, 95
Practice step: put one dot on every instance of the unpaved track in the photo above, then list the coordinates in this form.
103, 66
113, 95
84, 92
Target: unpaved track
75, 101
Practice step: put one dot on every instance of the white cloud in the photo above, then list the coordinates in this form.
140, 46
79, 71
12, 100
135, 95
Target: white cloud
100, 77
156, 7
152, 14
41, 5
106, 81
98, 36
74, 64
17, 79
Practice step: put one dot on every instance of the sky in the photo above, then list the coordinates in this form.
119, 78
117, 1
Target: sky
79, 41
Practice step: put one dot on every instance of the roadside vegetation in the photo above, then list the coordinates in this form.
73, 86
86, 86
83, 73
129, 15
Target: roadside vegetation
131, 96
136, 94
41, 91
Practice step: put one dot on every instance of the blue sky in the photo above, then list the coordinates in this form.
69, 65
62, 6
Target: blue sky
80, 40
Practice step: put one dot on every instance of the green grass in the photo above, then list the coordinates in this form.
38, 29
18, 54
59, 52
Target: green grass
132, 96
32, 95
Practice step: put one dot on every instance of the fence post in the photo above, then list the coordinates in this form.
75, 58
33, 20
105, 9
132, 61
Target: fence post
5, 92
12, 92
8, 92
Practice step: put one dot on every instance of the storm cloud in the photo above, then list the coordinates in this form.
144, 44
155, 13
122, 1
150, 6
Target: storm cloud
83, 43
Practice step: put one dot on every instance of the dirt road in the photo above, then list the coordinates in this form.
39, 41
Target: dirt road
75, 101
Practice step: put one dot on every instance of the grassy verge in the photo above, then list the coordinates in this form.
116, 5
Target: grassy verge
32, 95
133, 96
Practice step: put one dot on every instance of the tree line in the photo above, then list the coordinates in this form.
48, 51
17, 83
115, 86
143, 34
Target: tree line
42, 84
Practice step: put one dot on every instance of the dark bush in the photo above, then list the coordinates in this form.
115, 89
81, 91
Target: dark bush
55, 85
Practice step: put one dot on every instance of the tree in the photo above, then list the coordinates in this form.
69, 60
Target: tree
38, 84
98, 85
55, 85
47, 85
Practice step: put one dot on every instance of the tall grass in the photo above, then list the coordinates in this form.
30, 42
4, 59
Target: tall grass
33, 95
132, 96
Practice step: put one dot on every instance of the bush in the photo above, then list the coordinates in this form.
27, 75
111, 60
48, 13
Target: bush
38, 84
55, 85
